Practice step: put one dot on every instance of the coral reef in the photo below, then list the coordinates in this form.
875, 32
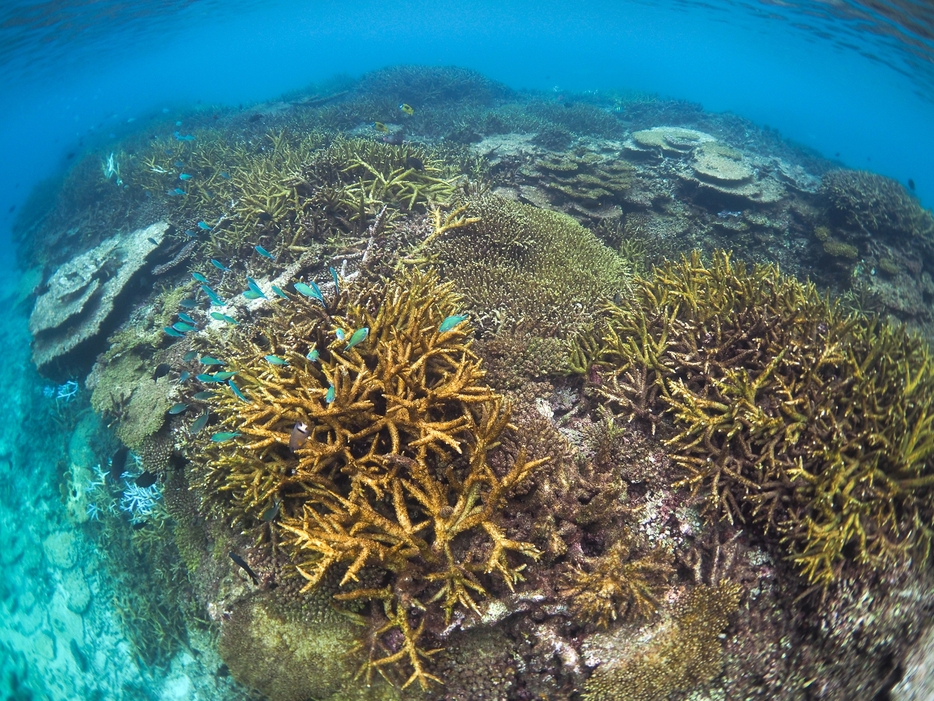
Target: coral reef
81, 294
392, 471
816, 426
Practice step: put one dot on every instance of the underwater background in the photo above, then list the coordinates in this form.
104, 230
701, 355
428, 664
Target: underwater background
467, 350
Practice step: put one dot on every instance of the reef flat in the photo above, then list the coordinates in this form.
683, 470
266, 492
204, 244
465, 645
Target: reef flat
416, 386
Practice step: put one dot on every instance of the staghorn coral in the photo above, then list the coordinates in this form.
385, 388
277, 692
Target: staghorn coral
680, 654
617, 585
394, 475
814, 425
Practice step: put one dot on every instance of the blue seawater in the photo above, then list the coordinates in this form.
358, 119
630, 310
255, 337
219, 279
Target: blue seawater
848, 81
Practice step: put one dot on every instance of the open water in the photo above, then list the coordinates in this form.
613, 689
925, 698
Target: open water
846, 83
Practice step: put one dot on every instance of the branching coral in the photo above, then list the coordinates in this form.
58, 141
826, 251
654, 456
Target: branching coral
392, 474
816, 426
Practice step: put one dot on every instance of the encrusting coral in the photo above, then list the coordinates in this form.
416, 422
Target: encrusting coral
389, 483
815, 425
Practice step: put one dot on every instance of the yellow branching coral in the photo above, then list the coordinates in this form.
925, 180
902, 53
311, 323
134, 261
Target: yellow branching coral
816, 425
391, 471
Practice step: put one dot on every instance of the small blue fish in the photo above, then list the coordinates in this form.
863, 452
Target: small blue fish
174, 192
217, 264
255, 287
337, 284
225, 175
183, 327
278, 291
187, 319
226, 375
207, 377
184, 376
189, 356
313, 355
189, 232
152, 241
359, 336
185, 137
188, 303
199, 423
451, 321
204, 225
276, 360
208, 360
312, 291
230, 320
213, 296
177, 409
728, 213
179, 164
224, 436
253, 294
204, 396
172, 332
199, 277
236, 390
340, 334
179, 191
263, 252
184, 176
329, 397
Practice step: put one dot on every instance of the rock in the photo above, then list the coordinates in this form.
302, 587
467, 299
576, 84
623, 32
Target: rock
917, 682
719, 169
61, 549
666, 140
81, 293
77, 591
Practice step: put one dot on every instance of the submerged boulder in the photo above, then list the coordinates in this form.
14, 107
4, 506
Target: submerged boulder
80, 295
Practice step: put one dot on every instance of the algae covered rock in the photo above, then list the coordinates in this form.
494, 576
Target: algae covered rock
81, 294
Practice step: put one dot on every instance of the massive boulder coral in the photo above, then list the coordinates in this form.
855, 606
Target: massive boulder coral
81, 294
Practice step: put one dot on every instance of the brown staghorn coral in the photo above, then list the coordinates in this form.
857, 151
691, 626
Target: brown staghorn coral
617, 584
816, 426
393, 477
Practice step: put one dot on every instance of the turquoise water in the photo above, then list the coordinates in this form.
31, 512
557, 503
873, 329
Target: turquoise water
848, 82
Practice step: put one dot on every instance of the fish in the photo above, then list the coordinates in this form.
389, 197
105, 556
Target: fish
199, 423
189, 356
179, 164
175, 192
727, 213
312, 291
337, 284
242, 563
339, 333
210, 360
217, 315
253, 294
451, 321
299, 436
213, 296
414, 162
380, 127
225, 375
177, 408
359, 336
331, 393
183, 327
172, 332
224, 436
162, 369
187, 319
184, 176
225, 175
184, 376
199, 277
273, 511
263, 252
397, 138
183, 137
203, 396
189, 303
204, 225
911, 184
230, 320
152, 241
147, 479
276, 360
207, 377
407, 109
118, 462
254, 286
189, 232
313, 355
217, 264
278, 291
236, 390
